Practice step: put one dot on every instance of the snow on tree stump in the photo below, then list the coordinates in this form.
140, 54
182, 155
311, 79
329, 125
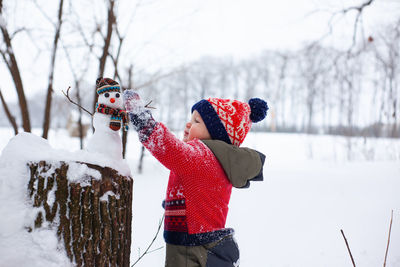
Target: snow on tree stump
92, 218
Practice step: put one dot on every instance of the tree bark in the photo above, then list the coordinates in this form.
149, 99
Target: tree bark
47, 115
9, 115
92, 219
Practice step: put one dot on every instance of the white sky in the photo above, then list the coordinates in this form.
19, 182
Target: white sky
170, 32
245, 27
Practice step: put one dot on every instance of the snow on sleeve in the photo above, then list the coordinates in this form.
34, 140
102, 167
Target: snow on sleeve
40, 247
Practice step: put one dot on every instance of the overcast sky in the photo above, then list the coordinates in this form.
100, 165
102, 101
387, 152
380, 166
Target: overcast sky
188, 29
169, 32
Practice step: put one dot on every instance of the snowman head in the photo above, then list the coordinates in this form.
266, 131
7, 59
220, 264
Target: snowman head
109, 93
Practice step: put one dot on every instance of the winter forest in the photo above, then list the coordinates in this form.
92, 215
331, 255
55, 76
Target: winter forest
314, 88
329, 70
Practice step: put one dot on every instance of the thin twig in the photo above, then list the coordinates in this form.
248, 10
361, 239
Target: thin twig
70, 100
147, 105
151, 243
348, 248
157, 78
8, 113
388, 242
154, 250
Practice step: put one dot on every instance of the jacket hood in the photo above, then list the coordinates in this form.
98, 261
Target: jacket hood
241, 164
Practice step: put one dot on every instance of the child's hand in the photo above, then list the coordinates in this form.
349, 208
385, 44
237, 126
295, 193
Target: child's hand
138, 114
133, 103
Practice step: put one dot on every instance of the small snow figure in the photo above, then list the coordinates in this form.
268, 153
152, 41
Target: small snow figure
108, 118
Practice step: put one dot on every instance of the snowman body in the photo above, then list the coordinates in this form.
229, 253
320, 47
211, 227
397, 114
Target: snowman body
105, 140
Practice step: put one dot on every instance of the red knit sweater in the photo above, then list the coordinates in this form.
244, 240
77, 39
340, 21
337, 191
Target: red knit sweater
198, 193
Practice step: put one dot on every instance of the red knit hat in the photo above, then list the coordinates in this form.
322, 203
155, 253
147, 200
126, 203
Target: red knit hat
230, 120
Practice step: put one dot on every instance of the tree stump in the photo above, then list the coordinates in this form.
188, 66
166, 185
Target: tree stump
92, 218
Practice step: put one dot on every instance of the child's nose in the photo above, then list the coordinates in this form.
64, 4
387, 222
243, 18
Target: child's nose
188, 125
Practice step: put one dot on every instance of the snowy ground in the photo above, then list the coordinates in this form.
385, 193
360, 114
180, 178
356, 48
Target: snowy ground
314, 186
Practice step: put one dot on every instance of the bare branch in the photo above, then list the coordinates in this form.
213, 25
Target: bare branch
10, 117
148, 105
116, 59
77, 86
388, 242
13, 67
17, 31
359, 10
133, 16
348, 248
44, 13
107, 41
157, 78
70, 100
3, 54
151, 243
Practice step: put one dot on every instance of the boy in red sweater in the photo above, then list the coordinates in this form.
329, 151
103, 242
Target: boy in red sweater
204, 167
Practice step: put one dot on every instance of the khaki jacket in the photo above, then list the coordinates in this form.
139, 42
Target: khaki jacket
241, 164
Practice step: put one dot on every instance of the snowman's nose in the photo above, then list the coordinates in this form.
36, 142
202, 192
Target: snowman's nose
112, 100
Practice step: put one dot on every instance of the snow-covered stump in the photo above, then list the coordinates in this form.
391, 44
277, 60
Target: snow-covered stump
92, 218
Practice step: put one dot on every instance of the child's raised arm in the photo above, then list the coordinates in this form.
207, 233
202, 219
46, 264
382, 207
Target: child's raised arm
173, 153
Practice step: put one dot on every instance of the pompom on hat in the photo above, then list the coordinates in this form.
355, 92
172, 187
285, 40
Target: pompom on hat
230, 120
104, 85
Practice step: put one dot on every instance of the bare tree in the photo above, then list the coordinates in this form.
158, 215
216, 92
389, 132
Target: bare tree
388, 57
47, 112
251, 76
107, 41
77, 82
12, 65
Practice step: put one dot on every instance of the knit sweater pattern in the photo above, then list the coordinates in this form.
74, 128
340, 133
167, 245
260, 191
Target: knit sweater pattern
198, 192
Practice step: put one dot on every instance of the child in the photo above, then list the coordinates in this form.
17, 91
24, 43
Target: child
204, 167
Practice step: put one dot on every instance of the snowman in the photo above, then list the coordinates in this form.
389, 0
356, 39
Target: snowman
108, 119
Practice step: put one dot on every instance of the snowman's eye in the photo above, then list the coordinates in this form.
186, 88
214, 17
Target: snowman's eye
106, 94
117, 95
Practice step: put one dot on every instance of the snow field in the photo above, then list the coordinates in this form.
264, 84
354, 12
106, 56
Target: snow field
314, 186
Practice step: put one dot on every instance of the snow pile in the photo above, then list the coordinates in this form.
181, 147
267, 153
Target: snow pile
29, 147
18, 247
314, 186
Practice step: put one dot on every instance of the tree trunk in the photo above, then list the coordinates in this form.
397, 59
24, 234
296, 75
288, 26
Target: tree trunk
106, 46
12, 66
125, 133
140, 166
47, 112
92, 218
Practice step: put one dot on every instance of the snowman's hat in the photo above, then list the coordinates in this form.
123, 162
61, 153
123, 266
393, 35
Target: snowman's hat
106, 85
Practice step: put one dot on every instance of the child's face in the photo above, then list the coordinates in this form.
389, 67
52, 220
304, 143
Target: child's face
196, 128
